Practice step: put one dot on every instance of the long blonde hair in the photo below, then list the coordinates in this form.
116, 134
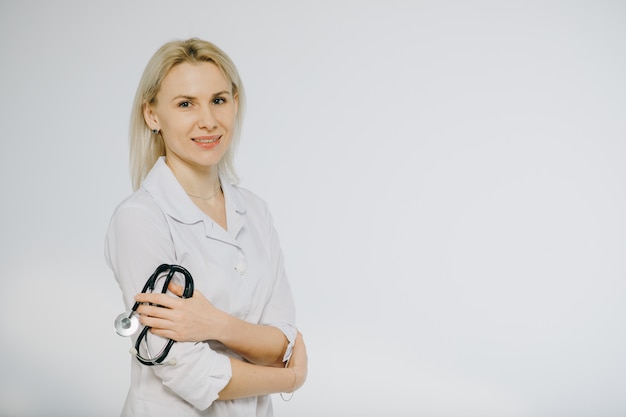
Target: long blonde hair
146, 148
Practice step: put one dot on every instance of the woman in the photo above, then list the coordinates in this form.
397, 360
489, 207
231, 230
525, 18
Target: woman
237, 331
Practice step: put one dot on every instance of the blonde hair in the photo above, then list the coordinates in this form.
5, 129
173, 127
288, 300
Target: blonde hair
145, 147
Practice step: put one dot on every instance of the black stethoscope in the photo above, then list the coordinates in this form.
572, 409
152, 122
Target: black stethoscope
127, 323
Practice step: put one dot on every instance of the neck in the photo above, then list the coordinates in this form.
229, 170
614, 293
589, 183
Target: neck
201, 184
215, 193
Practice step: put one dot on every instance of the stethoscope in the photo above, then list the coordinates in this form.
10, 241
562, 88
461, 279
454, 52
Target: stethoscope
127, 323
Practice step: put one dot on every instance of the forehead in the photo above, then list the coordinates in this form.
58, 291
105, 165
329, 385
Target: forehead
194, 79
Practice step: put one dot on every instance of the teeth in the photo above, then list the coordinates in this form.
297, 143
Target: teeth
206, 140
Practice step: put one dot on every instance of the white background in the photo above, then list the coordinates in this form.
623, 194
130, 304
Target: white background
448, 180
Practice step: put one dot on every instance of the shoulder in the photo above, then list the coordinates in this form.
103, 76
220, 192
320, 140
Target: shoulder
137, 209
140, 200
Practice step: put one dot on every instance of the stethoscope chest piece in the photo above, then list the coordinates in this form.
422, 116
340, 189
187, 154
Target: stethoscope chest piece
126, 324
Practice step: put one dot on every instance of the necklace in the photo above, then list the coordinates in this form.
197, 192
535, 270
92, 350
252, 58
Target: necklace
206, 198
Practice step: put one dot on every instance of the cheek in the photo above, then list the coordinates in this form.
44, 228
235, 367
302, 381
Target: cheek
227, 117
178, 123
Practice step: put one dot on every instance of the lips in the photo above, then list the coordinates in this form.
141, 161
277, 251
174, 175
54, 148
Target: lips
207, 139
207, 142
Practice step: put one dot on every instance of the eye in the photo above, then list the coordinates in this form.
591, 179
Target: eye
184, 104
219, 100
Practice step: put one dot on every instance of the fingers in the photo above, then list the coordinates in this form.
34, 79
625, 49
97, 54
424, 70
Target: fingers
157, 298
162, 321
154, 311
166, 333
162, 328
163, 299
299, 361
299, 342
179, 319
157, 324
299, 354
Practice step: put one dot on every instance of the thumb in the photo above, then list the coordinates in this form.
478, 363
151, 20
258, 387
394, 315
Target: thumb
176, 289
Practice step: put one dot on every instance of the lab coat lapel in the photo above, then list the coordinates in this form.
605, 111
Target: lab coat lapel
235, 209
235, 216
213, 230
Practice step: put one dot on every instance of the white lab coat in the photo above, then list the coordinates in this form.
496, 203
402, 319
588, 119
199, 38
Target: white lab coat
240, 270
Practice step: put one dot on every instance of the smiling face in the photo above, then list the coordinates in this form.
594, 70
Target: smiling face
195, 113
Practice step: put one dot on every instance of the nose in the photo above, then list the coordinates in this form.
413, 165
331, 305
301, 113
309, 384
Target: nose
206, 119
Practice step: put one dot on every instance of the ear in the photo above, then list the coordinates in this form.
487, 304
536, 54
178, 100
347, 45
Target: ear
236, 100
150, 117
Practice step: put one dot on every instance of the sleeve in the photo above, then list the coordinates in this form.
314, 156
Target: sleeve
280, 310
138, 240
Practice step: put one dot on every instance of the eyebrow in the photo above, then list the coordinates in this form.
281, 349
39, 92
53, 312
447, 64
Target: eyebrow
221, 93
183, 96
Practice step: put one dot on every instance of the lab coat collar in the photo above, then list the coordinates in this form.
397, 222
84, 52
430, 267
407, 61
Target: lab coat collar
163, 186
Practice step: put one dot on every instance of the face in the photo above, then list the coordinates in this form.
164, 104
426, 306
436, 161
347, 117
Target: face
195, 111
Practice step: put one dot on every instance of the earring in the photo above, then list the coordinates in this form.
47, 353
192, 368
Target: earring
155, 131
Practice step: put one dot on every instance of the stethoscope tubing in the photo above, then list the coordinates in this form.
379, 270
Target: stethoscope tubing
149, 286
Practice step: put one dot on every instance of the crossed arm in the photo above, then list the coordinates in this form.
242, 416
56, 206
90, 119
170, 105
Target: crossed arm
196, 319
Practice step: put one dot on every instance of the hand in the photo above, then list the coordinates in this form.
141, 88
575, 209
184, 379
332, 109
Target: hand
299, 361
192, 319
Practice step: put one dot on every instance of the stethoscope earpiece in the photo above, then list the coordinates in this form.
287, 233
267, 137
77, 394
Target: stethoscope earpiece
127, 324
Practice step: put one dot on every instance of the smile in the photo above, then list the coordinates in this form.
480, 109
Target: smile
206, 139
